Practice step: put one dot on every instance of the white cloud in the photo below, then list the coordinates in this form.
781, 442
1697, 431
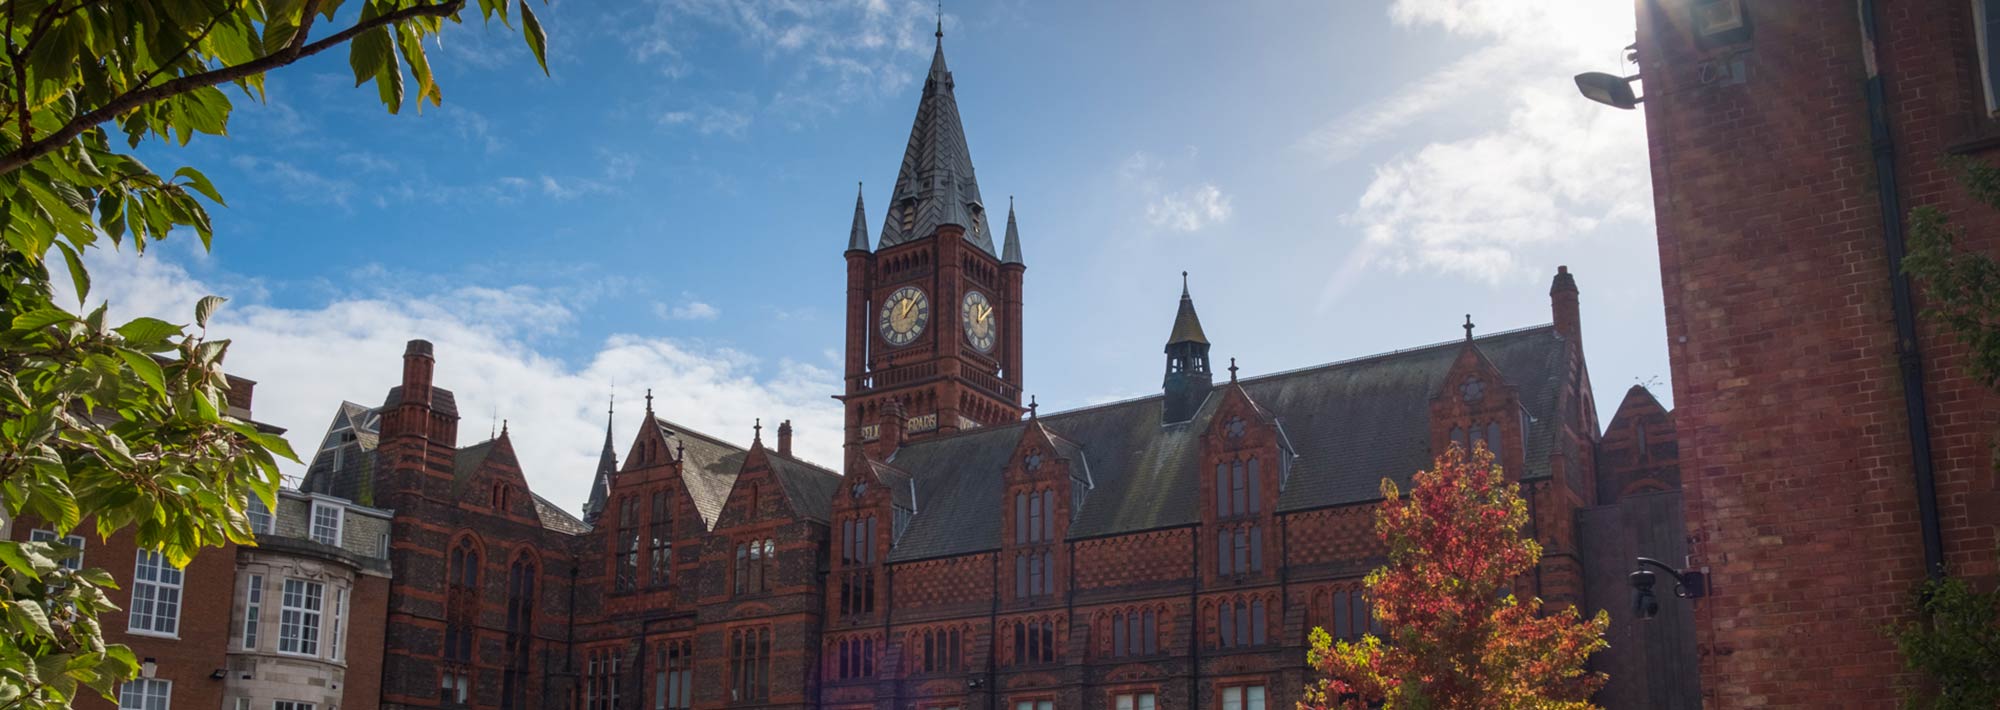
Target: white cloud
306, 360
1189, 208
1486, 205
837, 51
709, 120
688, 309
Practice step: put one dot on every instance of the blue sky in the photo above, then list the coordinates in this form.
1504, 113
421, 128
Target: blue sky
668, 208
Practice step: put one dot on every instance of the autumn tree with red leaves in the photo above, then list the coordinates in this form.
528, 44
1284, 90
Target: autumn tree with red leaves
1458, 639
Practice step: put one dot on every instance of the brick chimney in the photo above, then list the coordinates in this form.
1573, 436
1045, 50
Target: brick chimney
785, 438
417, 366
1562, 301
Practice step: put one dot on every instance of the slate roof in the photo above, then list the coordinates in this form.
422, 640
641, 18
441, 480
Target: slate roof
1350, 424
556, 519
352, 478
935, 185
711, 465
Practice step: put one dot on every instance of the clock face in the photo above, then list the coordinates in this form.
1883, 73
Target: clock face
977, 315
904, 316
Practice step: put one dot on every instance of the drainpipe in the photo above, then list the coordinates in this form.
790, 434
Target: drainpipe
1908, 358
1194, 621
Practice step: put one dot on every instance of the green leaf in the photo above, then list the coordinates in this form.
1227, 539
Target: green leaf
17, 559
369, 53
147, 368
531, 27
147, 330
42, 317
78, 276
206, 308
200, 184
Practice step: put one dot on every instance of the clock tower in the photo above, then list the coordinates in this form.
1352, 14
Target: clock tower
933, 310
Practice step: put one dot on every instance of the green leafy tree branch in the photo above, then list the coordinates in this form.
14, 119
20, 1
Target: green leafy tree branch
127, 426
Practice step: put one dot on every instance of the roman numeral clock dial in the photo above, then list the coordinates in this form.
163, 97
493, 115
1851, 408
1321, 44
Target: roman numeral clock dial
904, 316
976, 314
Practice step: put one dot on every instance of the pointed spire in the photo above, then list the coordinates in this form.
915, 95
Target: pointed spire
936, 160
607, 466
1010, 252
857, 236
1187, 325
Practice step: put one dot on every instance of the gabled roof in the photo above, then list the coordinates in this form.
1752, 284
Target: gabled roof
1351, 424
935, 185
708, 467
348, 475
809, 487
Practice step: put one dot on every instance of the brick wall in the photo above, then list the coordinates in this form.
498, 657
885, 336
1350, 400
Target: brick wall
1790, 409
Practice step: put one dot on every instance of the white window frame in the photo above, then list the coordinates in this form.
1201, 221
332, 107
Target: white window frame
1241, 697
301, 618
72, 563
155, 584
263, 520
135, 694
313, 523
253, 611
339, 627
1043, 704
290, 705
1135, 701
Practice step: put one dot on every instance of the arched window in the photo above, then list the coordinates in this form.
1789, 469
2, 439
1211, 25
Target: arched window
520, 632
662, 544
461, 600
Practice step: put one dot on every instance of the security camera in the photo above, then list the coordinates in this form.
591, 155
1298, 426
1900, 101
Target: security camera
1644, 605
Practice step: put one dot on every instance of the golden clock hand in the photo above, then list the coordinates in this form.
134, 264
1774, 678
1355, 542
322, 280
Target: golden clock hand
985, 311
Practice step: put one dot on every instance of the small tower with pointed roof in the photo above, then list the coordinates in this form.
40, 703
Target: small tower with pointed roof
1189, 377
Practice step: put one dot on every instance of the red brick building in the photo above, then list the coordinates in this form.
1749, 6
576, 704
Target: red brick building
1835, 449
1171, 551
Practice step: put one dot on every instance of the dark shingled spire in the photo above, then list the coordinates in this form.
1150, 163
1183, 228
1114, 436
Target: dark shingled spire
1187, 325
935, 185
1010, 252
1188, 377
857, 236
607, 466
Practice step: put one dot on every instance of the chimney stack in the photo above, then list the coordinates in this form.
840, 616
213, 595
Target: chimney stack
1563, 303
417, 365
785, 438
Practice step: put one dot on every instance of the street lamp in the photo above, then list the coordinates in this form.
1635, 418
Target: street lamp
1608, 89
1688, 584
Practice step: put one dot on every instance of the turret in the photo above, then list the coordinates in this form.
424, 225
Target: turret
1188, 377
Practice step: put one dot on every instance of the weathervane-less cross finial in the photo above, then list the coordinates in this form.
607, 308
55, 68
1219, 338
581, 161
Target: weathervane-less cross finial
649, 400
1232, 369
759, 427
1468, 327
503, 427
1032, 406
